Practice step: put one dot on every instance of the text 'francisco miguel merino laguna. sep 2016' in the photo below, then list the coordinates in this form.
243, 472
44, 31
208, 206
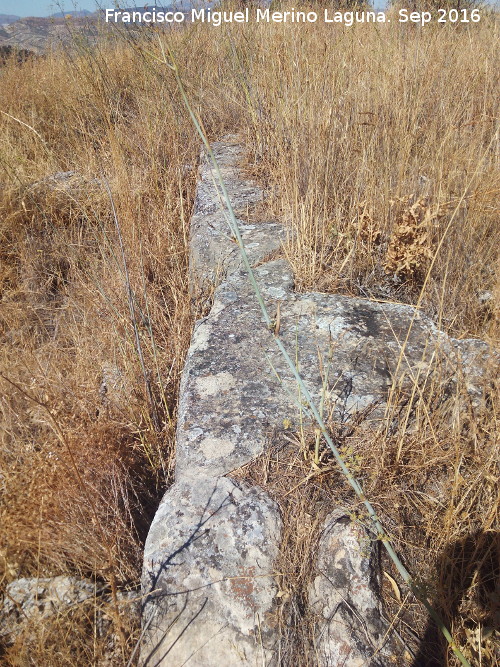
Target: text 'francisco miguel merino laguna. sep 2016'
261, 15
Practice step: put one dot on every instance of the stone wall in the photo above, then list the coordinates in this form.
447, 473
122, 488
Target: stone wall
209, 563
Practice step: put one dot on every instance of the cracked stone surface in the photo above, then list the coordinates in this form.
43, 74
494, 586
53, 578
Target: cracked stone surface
212, 574
31, 602
29, 599
209, 557
210, 553
213, 252
345, 594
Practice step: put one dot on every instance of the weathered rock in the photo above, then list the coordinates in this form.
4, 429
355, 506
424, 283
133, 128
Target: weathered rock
236, 390
211, 575
212, 251
216, 590
345, 593
471, 358
28, 601
69, 184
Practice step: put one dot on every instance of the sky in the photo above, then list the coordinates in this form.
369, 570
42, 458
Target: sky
47, 7
44, 7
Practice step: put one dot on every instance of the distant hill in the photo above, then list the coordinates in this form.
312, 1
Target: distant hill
77, 13
37, 34
8, 18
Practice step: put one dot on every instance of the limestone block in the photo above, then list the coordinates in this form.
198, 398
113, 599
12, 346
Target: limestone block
345, 593
210, 554
209, 578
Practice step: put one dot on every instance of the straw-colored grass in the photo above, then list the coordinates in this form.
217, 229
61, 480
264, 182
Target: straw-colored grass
372, 139
379, 146
93, 334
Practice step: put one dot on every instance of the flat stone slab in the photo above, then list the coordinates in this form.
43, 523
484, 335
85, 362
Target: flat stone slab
213, 252
348, 350
211, 575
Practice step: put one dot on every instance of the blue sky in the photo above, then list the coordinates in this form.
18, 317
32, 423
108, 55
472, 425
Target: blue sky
47, 7
44, 7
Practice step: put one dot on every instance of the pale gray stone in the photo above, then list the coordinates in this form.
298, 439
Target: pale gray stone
345, 593
213, 251
27, 601
209, 579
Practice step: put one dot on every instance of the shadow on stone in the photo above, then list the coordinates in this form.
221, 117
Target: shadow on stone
156, 591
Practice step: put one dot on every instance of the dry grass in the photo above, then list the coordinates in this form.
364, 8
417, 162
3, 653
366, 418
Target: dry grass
379, 143
83, 634
304, 498
93, 338
379, 146
431, 472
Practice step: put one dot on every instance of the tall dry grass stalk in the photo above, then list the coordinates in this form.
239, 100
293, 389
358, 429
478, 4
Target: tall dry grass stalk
369, 139
95, 314
380, 146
